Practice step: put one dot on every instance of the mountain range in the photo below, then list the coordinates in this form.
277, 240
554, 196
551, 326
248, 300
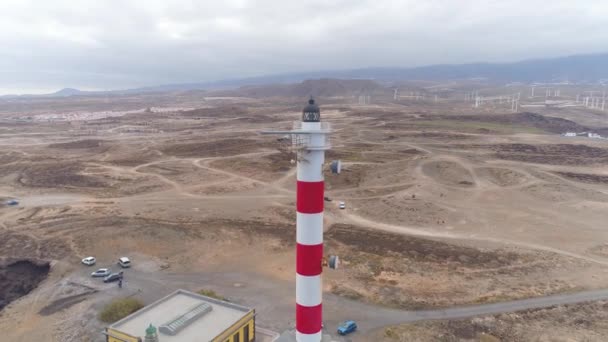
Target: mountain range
576, 69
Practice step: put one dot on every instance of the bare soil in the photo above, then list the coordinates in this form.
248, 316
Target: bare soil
265, 168
79, 144
585, 177
57, 175
558, 154
448, 173
81, 294
413, 273
217, 148
500, 176
564, 192
546, 123
581, 322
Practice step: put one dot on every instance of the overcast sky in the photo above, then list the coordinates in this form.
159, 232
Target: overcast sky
105, 44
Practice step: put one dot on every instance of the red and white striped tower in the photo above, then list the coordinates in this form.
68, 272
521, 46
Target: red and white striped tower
309, 224
309, 137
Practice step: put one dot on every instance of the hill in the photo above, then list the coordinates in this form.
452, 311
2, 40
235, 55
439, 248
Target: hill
319, 87
578, 69
66, 92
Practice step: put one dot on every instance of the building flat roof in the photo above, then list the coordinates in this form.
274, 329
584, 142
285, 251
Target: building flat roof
204, 328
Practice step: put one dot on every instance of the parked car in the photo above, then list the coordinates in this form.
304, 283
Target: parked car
89, 261
12, 202
124, 262
347, 327
102, 272
112, 277
327, 199
342, 205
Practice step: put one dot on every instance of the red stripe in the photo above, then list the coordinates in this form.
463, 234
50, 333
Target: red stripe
310, 197
308, 318
309, 259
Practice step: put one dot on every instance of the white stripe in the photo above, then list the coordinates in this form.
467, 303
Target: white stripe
309, 228
310, 166
308, 337
308, 290
306, 126
317, 141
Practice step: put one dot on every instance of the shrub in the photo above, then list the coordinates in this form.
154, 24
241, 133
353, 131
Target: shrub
119, 309
211, 293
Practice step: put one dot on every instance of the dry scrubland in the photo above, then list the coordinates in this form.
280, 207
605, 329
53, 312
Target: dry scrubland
445, 206
580, 322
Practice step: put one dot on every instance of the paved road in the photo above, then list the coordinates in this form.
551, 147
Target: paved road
274, 299
376, 317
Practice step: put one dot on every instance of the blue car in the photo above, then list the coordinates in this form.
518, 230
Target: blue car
347, 327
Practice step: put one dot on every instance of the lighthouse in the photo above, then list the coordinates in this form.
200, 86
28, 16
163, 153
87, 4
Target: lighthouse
309, 225
310, 140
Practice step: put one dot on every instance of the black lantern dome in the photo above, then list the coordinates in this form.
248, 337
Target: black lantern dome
311, 113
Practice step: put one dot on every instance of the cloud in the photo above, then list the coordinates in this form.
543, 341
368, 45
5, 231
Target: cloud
117, 44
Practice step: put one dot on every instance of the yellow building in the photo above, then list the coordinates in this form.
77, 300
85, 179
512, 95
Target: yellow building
184, 316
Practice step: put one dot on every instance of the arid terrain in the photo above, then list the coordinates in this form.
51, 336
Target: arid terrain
446, 205
578, 322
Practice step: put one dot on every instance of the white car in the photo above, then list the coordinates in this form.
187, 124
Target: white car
124, 262
102, 272
89, 261
342, 205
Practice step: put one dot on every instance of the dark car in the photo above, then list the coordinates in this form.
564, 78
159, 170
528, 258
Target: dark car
347, 327
112, 277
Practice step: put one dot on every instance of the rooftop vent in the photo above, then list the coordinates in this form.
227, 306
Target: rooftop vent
180, 322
